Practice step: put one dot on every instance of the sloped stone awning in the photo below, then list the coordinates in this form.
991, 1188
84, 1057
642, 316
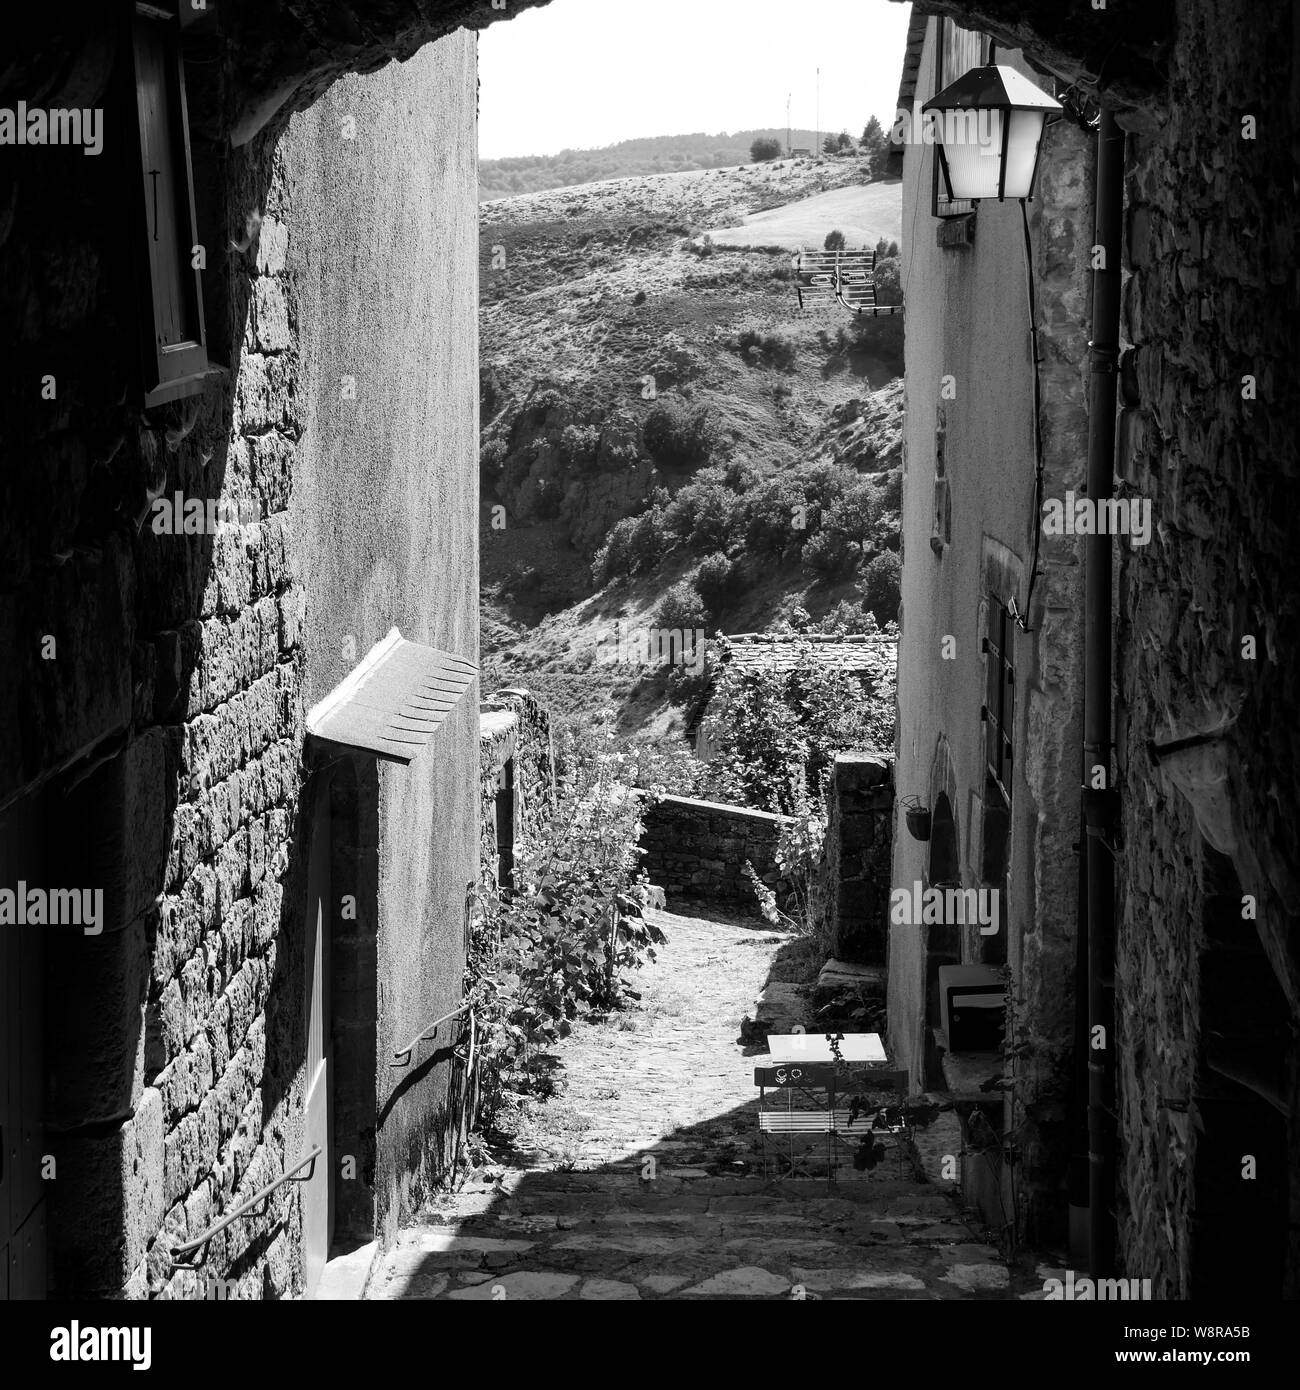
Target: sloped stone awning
392, 704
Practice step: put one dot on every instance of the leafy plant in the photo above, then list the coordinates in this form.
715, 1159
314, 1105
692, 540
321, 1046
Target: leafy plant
777, 731
566, 940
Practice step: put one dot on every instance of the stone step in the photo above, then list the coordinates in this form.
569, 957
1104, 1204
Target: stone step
870, 981
733, 1270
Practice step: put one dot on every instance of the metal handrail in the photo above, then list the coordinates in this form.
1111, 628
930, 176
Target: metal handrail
420, 1037
257, 1199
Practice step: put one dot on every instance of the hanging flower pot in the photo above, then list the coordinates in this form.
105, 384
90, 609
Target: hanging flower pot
917, 818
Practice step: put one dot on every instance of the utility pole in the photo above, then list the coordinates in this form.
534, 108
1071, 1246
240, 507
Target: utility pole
787, 125
817, 141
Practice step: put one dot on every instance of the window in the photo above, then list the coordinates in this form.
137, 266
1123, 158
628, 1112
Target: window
999, 707
957, 50
174, 343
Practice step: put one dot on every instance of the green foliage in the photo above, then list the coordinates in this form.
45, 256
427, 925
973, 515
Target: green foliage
889, 281
491, 458
849, 529
565, 942
880, 586
768, 349
676, 436
681, 607
702, 514
834, 241
715, 579
764, 149
873, 137
777, 732
830, 518
830, 145
667, 767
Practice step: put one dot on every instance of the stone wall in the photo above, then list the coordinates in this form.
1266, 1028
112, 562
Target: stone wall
1210, 302
859, 846
514, 728
696, 851
152, 725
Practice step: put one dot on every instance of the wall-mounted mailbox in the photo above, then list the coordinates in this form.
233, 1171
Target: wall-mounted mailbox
174, 358
972, 1004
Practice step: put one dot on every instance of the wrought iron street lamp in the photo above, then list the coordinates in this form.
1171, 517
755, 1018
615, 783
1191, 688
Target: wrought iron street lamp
989, 133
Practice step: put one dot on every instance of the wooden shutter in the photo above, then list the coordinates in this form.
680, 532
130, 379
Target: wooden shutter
173, 340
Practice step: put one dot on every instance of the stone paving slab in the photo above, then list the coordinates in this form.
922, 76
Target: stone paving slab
670, 1083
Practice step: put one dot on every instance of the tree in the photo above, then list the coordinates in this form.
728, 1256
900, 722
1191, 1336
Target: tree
764, 148
834, 241
873, 137
844, 140
879, 586
830, 145
682, 608
889, 282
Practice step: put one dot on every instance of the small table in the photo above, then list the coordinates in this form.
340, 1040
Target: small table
863, 1048
803, 1065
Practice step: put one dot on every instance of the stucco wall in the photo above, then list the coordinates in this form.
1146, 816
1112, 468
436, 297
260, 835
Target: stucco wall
381, 174
968, 320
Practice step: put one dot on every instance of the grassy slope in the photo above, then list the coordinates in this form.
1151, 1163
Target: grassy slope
506, 178
563, 312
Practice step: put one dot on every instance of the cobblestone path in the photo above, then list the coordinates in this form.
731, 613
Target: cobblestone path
642, 1179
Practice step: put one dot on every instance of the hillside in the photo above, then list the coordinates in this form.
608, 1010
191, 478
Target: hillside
653, 400
659, 154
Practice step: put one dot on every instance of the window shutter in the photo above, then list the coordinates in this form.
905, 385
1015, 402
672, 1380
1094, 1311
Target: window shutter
173, 342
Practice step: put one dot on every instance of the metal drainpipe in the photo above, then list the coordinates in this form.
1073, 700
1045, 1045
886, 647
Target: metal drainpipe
1100, 805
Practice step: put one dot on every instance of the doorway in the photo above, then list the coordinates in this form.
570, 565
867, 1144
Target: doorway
318, 1190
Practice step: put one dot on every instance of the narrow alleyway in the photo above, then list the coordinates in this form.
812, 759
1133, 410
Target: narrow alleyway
643, 1177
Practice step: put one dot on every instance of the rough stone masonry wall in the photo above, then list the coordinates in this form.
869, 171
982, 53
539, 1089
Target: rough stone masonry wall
859, 855
696, 850
177, 673
512, 724
166, 724
1211, 246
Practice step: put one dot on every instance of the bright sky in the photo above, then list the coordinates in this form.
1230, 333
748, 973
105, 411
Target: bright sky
580, 74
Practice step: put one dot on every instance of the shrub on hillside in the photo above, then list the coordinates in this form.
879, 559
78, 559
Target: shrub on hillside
879, 586
890, 490
834, 241
768, 349
702, 516
491, 458
715, 579
578, 445
681, 607
677, 437
763, 149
